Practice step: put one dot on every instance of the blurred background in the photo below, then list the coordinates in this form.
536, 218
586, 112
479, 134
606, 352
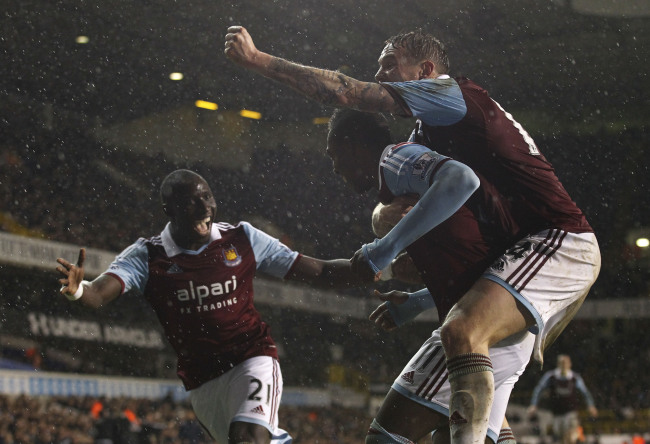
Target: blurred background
99, 100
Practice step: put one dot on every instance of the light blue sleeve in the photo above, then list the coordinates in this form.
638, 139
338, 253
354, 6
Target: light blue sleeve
271, 255
540, 387
132, 266
442, 192
417, 302
437, 102
580, 385
408, 168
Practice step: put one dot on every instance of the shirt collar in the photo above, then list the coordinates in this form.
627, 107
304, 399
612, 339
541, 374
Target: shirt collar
558, 374
172, 249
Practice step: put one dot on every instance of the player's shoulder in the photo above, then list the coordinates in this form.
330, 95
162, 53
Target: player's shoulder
407, 147
413, 152
466, 82
468, 86
145, 243
228, 230
550, 374
140, 248
242, 226
153, 240
225, 226
426, 85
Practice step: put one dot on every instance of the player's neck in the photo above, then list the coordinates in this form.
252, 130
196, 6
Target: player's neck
188, 242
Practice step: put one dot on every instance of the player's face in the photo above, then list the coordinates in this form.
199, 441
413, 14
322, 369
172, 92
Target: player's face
192, 212
347, 161
564, 363
396, 66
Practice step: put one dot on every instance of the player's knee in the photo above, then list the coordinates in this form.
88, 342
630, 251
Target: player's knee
378, 435
454, 335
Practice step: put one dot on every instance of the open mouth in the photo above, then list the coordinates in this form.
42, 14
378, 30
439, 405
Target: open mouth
202, 226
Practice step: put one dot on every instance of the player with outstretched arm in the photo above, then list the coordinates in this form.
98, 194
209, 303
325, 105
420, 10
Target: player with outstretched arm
197, 274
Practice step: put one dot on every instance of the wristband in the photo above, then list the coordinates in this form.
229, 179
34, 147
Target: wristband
387, 273
366, 255
77, 294
416, 303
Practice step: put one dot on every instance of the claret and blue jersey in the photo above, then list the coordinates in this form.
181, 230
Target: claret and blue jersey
204, 298
454, 254
457, 118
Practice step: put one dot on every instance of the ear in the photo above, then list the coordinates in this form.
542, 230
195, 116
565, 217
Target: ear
427, 70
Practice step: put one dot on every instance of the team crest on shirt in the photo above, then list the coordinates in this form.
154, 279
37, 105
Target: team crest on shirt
422, 166
230, 256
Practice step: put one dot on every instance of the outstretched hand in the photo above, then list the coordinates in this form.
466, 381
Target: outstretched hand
72, 274
240, 47
360, 266
381, 316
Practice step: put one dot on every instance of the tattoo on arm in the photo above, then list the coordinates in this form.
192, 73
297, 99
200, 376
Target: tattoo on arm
332, 88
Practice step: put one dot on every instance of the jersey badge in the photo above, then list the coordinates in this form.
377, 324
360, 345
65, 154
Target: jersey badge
231, 257
422, 166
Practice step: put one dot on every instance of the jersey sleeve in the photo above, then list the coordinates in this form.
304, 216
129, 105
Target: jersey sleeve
271, 256
410, 168
131, 267
443, 184
582, 388
437, 102
415, 304
540, 387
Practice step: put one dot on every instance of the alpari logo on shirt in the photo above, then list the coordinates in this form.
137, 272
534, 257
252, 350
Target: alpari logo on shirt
200, 292
230, 256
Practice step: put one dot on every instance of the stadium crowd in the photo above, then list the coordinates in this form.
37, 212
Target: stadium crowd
87, 420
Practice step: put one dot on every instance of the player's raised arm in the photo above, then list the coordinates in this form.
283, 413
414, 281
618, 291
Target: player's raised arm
93, 294
324, 86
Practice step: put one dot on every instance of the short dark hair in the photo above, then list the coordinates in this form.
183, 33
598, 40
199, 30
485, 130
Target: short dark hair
176, 179
421, 45
368, 129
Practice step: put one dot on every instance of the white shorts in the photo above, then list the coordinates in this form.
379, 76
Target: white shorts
425, 379
550, 273
249, 392
567, 423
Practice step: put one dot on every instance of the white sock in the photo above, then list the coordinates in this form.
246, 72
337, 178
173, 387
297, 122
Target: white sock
472, 392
